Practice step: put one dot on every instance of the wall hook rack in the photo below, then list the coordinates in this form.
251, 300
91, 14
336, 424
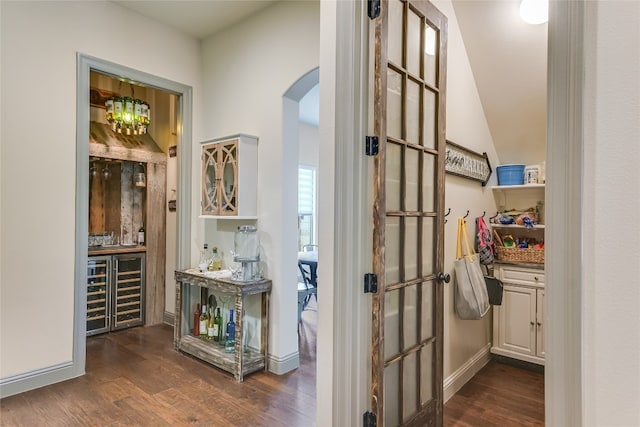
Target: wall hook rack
493, 217
466, 215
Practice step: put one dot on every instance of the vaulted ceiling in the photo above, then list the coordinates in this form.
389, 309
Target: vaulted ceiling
508, 58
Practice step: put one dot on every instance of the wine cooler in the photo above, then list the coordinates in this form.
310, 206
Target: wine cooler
115, 292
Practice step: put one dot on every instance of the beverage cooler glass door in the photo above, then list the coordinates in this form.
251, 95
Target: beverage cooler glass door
98, 295
128, 284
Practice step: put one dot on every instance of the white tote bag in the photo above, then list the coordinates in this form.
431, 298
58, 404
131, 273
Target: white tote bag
471, 299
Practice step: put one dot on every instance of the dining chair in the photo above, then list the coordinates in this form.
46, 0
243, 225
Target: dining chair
305, 289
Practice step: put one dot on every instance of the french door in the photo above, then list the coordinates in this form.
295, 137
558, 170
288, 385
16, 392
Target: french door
409, 120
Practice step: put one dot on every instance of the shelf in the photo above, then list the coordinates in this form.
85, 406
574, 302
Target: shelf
537, 226
215, 354
518, 187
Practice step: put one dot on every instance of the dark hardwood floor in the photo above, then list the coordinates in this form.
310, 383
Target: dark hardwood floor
499, 395
135, 378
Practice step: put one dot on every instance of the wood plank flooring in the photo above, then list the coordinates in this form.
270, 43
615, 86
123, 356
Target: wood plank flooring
134, 377
500, 395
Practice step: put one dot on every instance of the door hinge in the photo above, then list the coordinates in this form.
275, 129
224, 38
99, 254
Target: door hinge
372, 144
369, 419
373, 9
370, 283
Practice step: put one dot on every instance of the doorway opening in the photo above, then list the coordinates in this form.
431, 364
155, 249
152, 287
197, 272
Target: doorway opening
178, 100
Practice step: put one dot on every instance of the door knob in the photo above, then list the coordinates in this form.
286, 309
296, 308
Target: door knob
442, 277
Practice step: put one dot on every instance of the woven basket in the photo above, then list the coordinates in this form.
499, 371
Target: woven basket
534, 256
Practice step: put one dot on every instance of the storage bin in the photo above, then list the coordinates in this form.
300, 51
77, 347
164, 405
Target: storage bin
520, 255
510, 174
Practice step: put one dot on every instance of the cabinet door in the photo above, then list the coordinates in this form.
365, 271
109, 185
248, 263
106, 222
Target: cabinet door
128, 291
228, 158
98, 298
517, 330
540, 323
211, 179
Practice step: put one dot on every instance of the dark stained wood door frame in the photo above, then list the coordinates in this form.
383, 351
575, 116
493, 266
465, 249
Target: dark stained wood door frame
430, 413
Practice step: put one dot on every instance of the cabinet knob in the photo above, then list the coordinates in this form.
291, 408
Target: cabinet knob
535, 278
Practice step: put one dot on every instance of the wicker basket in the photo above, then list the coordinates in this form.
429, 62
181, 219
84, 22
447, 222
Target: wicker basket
533, 256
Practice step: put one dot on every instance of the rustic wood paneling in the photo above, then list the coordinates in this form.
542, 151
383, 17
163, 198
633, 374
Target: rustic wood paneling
113, 191
155, 235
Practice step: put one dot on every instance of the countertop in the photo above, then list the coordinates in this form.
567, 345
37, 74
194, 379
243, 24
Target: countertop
115, 249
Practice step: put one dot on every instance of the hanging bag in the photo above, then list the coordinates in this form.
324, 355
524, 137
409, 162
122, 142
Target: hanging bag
470, 299
484, 242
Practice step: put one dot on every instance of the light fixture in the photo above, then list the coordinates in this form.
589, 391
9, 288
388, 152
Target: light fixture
534, 11
106, 173
139, 178
128, 113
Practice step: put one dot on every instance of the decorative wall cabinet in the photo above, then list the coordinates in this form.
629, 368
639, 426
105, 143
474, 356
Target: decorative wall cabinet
518, 326
115, 292
229, 177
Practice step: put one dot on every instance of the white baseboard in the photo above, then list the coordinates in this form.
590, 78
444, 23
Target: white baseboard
37, 378
285, 364
464, 373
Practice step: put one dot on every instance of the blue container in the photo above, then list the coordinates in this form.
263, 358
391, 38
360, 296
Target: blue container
510, 174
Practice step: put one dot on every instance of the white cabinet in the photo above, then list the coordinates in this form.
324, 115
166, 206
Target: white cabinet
518, 325
229, 177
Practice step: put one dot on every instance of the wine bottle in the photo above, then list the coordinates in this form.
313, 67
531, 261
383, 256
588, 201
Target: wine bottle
211, 330
203, 322
196, 321
216, 260
217, 326
141, 235
230, 341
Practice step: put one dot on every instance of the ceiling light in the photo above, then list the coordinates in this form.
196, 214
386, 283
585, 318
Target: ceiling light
128, 113
534, 11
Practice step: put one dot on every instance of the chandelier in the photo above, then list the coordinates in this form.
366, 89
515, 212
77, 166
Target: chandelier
127, 114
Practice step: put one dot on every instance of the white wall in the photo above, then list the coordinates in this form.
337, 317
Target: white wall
467, 126
309, 144
611, 192
39, 43
247, 69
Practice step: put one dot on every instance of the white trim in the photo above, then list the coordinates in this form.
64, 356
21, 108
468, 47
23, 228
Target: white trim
20, 383
563, 342
464, 373
282, 365
344, 326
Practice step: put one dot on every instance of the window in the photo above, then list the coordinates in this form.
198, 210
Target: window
306, 206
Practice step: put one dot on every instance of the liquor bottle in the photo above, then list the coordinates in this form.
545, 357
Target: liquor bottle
203, 322
196, 321
141, 235
230, 341
216, 260
218, 326
211, 330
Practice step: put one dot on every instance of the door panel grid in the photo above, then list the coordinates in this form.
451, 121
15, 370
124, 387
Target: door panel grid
408, 213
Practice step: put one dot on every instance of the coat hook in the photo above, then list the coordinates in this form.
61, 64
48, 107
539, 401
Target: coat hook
492, 217
483, 214
446, 215
467, 214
